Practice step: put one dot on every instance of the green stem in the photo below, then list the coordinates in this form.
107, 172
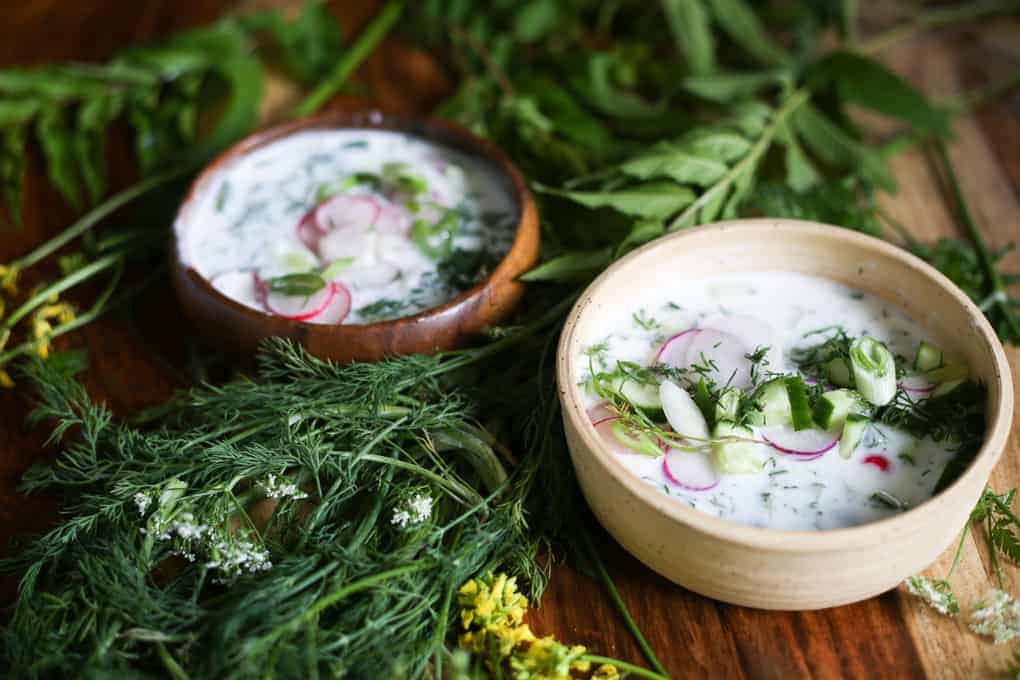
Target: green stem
96, 215
937, 18
621, 606
352, 57
169, 663
995, 554
998, 288
626, 667
959, 551
746, 164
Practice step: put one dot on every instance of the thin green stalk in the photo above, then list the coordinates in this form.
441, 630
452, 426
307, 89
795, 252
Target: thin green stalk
995, 554
96, 215
352, 57
747, 163
464, 495
998, 289
621, 606
959, 551
626, 667
937, 18
169, 663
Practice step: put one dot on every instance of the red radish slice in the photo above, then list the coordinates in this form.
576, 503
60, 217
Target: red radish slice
916, 384
346, 242
879, 461
674, 350
337, 308
805, 443
600, 412
261, 291
726, 356
393, 219
692, 471
299, 307
309, 232
343, 211
753, 332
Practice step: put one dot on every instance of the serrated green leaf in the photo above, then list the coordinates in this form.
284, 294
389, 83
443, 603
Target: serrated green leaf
750, 117
56, 139
655, 200
725, 87
665, 160
566, 116
688, 22
722, 144
713, 207
868, 83
14, 112
536, 19
641, 232
833, 145
599, 89
12, 169
800, 172
570, 266
740, 22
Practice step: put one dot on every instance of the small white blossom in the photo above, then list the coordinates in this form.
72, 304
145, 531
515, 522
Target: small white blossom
418, 510
235, 557
281, 487
142, 500
937, 594
997, 616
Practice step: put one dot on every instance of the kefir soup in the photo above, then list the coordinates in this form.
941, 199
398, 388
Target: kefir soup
348, 226
779, 400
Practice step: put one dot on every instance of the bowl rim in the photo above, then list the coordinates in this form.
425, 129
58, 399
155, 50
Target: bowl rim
792, 541
435, 130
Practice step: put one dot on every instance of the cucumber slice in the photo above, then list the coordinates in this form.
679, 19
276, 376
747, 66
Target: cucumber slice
681, 412
734, 458
839, 373
773, 405
800, 409
728, 405
833, 407
946, 387
638, 442
853, 432
641, 396
874, 370
928, 357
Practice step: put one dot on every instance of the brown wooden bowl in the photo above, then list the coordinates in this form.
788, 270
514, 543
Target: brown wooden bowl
240, 328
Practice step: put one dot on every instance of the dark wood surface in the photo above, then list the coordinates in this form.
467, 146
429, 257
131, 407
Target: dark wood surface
888, 637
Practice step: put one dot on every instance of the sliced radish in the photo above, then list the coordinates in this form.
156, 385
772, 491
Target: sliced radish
879, 461
299, 307
724, 355
343, 212
674, 350
752, 331
689, 470
394, 219
683, 414
600, 412
261, 290
810, 443
337, 308
370, 275
916, 384
348, 242
309, 232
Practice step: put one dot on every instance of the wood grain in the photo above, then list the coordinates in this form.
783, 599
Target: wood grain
887, 637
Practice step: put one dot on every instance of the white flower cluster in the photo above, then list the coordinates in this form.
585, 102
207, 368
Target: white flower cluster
418, 510
233, 557
997, 616
281, 487
938, 594
142, 501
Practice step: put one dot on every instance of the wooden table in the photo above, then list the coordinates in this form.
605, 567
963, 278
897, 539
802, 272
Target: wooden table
889, 636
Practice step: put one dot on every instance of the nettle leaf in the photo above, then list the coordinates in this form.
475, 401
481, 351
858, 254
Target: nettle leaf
12, 168
641, 232
570, 266
566, 116
56, 139
725, 87
599, 88
536, 20
834, 145
800, 171
750, 117
666, 160
689, 23
649, 199
868, 83
740, 22
713, 207
722, 144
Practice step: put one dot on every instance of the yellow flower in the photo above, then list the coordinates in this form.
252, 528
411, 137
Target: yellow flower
9, 279
5, 379
606, 672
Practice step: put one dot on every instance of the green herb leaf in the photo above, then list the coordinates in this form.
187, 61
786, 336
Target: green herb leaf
741, 23
725, 87
834, 145
303, 285
689, 23
666, 160
569, 266
650, 199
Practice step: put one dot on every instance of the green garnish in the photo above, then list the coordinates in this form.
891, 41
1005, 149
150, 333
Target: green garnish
303, 284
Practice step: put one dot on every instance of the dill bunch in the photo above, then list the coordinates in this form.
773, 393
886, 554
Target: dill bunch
270, 526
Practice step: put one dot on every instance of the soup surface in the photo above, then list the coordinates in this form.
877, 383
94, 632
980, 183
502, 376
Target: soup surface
348, 226
771, 398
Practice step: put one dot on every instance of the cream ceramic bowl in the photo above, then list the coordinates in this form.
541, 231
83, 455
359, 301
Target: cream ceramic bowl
763, 567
